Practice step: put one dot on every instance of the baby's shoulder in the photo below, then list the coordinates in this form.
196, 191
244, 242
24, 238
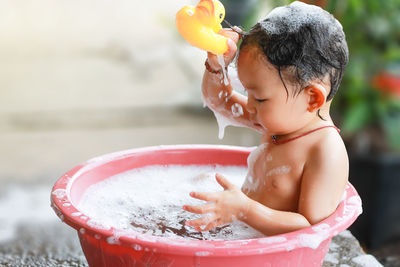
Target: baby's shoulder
328, 146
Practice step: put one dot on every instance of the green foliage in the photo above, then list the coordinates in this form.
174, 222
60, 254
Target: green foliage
373, 36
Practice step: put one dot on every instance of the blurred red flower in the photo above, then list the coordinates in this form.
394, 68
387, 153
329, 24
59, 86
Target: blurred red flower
387, 83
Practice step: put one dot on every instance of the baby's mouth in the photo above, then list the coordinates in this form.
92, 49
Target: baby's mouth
257, 125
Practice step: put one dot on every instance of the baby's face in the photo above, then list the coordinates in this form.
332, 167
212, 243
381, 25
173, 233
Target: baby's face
268, 102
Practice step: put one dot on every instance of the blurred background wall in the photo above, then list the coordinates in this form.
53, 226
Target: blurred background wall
79, 79
83, 78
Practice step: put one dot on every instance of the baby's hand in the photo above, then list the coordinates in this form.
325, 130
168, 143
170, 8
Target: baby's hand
233, 38
222, 207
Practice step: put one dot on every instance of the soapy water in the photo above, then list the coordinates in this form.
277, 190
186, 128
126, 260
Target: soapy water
223, 122
237, 110
149, 200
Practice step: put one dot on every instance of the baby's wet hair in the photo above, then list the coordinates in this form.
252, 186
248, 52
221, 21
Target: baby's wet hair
303, 41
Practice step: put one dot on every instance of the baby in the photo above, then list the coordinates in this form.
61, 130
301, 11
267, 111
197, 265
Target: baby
291, 64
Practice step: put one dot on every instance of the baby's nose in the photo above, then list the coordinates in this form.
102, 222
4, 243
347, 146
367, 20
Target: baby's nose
250, 107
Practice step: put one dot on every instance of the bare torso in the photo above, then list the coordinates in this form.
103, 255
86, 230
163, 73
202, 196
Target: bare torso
275, 172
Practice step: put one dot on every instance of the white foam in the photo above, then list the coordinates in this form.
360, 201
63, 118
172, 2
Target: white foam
234, 79
279, 170
223, 122
208, 217
292, 16
310, 240
203, 253
321, 227
221, 62
272, 240
354, 200
145, 197
59, 193
237, 110
97, 224
137, 247
314, 240
112, 240
250, 183
227, 96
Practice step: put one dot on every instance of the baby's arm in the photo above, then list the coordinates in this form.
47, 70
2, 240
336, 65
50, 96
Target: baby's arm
231, 204
222, 98
324, 179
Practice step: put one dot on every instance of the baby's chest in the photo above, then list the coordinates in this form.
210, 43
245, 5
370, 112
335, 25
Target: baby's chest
278, 173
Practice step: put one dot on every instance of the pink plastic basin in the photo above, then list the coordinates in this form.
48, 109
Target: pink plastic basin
114, 247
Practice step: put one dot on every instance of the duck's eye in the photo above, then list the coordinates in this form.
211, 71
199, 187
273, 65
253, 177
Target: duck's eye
220, 16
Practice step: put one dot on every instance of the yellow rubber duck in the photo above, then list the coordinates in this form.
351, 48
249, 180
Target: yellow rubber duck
200, 26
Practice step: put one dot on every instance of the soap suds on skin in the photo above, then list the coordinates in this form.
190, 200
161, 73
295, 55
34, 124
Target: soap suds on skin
234, 80
237, 110
279, 170
221, 62
250, 183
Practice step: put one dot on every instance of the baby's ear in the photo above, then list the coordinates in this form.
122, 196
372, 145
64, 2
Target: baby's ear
316, 96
